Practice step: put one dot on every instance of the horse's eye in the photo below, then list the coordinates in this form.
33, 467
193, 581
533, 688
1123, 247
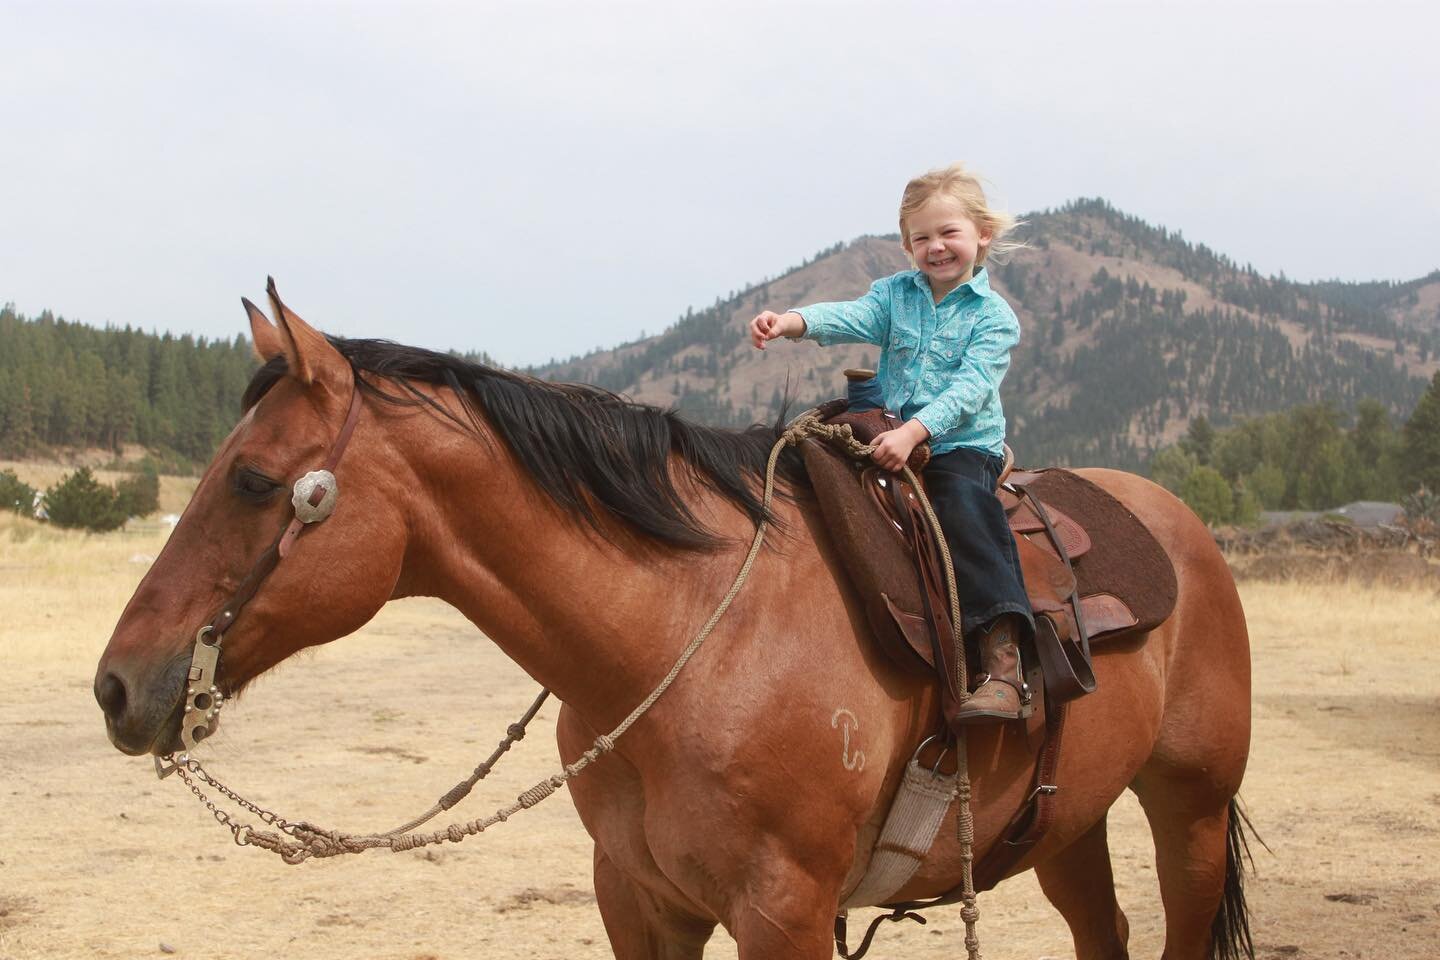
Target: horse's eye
254, 486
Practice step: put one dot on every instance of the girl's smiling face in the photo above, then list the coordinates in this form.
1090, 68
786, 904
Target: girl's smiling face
944, 243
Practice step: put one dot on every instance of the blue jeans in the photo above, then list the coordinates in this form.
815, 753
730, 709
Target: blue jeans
864, 394
961, 485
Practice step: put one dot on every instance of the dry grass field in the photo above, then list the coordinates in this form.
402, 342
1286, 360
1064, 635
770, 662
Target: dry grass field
98, 859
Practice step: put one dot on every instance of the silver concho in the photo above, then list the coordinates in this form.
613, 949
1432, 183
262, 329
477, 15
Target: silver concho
305, 486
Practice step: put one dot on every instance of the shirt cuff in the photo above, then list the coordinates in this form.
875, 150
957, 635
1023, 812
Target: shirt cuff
814, 326
933, 420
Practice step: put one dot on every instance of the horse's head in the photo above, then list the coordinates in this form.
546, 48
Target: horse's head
335, 574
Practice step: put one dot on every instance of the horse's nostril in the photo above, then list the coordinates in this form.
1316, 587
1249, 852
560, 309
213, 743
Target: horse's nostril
110, 692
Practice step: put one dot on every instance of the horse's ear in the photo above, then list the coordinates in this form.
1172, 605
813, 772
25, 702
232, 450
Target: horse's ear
306, 350
264, 338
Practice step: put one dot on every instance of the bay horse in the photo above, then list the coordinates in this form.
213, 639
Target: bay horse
589, 536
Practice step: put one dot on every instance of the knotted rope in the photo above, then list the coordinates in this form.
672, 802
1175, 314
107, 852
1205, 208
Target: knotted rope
306, 840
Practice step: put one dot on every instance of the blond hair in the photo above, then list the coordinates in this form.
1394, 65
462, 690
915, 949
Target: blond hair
961, 185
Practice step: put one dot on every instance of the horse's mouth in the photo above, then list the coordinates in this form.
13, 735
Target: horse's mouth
203, 730
167, 739
149, 731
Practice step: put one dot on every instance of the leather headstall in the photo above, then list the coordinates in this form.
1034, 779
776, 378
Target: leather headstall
313, 498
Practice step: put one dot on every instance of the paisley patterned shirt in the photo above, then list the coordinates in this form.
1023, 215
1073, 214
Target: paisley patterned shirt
940, 363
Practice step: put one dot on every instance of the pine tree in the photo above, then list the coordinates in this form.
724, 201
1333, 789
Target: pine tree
1199, 440
16, 495
1207, 493
139, 496
17, 419
81, 501
1420, 453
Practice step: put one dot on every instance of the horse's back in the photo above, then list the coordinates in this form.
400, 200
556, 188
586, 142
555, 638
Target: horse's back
1202, 652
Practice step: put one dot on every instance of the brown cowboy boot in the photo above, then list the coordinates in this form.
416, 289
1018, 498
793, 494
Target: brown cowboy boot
1002, 693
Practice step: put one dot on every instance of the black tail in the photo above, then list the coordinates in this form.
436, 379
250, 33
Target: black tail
1230, 930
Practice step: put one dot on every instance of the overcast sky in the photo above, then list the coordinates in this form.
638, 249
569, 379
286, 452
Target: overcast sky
540, 179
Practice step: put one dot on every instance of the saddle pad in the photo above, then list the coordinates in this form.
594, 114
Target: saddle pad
1124, 560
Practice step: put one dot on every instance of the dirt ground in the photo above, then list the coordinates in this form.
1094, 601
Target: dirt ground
99, 859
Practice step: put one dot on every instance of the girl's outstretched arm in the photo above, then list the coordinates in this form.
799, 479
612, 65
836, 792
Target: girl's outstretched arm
866, 320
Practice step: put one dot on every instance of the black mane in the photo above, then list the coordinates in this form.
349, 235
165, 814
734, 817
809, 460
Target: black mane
581, 444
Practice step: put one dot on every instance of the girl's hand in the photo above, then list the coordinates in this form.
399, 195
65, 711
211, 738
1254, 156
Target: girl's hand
893, 447
770, 325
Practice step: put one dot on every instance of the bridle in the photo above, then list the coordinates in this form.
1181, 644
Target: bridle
313, 497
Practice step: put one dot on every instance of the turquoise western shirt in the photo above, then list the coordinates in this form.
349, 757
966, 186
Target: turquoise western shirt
940, 363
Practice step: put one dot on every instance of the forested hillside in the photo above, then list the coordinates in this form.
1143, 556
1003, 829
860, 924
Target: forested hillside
1130, 333
66, 384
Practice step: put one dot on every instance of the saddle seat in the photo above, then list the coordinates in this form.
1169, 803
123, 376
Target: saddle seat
1096, 574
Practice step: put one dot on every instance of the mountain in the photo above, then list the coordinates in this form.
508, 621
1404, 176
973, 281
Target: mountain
1129, 332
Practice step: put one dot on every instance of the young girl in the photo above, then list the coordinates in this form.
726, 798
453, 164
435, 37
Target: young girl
945, 339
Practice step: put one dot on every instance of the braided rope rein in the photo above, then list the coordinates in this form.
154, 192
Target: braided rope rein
308, 840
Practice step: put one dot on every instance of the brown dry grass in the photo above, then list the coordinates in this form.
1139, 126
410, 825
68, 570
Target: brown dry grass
1398, 569
100, 860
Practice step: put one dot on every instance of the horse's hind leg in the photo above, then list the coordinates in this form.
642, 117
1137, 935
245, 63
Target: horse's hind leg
1190, 821
639, 925
1078, 882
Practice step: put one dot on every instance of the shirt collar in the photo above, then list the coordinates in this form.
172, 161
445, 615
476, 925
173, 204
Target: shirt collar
979, 284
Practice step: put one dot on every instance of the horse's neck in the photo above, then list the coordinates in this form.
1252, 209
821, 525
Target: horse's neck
597, 622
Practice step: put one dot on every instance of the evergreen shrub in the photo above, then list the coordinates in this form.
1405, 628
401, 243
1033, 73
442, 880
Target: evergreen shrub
80, 501
16, 495
1206, 492
139, 496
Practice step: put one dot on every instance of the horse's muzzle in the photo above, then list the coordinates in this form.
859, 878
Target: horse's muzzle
142, 714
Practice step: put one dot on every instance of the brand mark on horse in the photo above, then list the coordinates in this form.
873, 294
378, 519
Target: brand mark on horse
845, 721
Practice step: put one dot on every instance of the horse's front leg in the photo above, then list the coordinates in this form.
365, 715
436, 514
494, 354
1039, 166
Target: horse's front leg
771, 907
640, 925
789, 917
